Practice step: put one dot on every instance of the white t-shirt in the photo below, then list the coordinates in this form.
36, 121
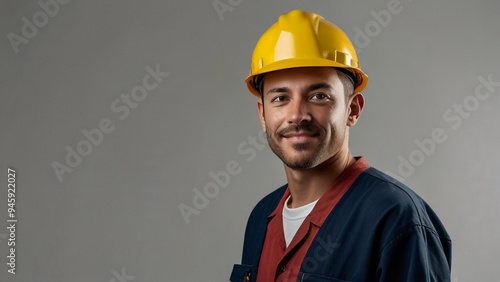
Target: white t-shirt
293, 218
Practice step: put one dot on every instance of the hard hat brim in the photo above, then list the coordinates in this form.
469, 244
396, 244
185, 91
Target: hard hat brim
361, 77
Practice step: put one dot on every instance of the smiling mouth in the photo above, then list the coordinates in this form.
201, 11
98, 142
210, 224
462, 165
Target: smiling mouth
300, 137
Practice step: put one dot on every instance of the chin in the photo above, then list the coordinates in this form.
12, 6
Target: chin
300, 163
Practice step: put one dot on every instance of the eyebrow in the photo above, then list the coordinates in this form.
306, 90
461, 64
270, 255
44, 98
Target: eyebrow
320, 85
309, 88
278, 90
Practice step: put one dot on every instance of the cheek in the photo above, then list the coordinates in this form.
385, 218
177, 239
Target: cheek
273, 120
326, 116
333, 121
339, 114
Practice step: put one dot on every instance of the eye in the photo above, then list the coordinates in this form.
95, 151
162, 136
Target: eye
278, 99
319, 96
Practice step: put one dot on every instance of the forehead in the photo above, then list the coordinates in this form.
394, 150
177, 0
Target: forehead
297, 78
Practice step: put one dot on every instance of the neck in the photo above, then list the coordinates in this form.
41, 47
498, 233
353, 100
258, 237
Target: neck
308, 185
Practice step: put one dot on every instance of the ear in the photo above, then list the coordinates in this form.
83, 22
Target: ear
260, 106
356, 104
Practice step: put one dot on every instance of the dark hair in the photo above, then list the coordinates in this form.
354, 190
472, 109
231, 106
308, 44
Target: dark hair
348, 81
258, 83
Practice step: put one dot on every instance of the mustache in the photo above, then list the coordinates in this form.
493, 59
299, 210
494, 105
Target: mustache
303, 128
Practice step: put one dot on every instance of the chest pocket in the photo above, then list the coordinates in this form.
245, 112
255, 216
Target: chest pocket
243, 273
308, 277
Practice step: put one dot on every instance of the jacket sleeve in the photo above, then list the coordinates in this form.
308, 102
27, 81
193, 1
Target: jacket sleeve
243, 273
416, 254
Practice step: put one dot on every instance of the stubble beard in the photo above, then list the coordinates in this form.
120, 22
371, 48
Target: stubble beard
303, 163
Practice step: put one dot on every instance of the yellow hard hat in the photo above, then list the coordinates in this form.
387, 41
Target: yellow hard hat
304, 39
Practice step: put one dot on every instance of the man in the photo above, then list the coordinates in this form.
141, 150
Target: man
337, 219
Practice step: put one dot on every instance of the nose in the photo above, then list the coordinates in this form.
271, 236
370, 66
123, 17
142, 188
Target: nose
298, 112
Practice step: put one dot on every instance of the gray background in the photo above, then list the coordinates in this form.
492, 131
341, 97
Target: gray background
119, 209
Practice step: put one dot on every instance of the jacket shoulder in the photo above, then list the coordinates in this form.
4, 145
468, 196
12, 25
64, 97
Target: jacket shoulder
400, 203
267, 204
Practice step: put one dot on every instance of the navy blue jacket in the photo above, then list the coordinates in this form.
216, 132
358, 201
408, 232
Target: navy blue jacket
380, 230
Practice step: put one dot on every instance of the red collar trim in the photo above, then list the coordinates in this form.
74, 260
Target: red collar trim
330, 198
